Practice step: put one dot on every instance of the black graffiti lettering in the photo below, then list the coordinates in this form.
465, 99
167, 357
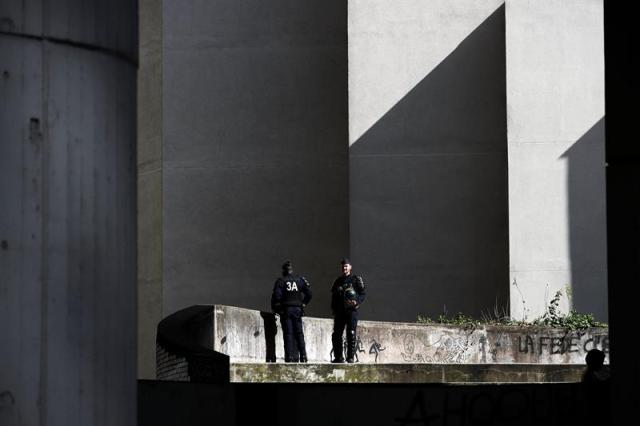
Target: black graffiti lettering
417, 403
460, 412
586, 343
542, 342
524, 348
527, 346
572, 346
557, 346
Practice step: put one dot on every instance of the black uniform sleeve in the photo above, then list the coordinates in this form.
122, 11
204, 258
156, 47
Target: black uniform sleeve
336, 300
276, 296
306, 291
360, 289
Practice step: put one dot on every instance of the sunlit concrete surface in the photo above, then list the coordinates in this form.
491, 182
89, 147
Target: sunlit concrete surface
555, 110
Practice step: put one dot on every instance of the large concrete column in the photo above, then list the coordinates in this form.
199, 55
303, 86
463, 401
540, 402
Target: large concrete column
428, 155
67, 215
254, 148
555, 107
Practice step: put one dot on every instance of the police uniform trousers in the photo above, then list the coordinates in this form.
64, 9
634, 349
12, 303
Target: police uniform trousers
291, 321
340, 320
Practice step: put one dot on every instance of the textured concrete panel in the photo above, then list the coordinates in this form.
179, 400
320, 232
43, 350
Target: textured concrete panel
555, 103
67, 234
428, 183
227, 232
254, 149
21, 231
393, 45
102, 24
402, 373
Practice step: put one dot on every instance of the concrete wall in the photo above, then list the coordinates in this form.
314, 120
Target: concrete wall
254, 139
247, 336
555, 104
428, 155
67, 221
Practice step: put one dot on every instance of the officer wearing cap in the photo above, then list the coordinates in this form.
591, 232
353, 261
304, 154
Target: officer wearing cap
347, 294
291, 293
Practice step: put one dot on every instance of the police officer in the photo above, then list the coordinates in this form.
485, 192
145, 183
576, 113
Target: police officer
347, 294
291, 294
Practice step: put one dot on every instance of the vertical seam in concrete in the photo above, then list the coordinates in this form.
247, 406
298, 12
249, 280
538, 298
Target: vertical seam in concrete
43, 223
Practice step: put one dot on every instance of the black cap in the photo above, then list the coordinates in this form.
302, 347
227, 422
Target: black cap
287, 266
345, 260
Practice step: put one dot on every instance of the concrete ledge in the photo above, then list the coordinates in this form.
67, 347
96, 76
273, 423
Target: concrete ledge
405, 373
247, 335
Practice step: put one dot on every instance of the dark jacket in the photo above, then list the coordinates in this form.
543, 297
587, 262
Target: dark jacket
290, 290
340, 287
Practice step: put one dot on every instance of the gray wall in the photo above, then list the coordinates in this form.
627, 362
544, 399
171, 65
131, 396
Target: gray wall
428, 179
254, 161
67, 221
555, 103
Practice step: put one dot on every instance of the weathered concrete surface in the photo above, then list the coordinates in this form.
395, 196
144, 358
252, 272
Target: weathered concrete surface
404, 373
254, 147
428, 155
67, 213
555, 104
247, 336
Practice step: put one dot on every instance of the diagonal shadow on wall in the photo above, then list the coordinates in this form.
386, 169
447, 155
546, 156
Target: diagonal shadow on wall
428, 188
587, 222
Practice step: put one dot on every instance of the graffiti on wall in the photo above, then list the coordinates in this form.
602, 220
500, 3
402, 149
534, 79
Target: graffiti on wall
450, 348
559, 345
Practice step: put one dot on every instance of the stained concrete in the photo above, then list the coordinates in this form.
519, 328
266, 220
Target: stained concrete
403, 373
68, 217
252, 336
555, 104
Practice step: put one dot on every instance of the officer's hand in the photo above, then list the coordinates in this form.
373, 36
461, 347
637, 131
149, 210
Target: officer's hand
352, 302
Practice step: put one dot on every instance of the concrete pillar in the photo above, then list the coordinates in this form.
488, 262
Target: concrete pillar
254, 149
428, 155
67, 216
555, 116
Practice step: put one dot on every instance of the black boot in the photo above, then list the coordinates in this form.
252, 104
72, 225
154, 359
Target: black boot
337, 349
351, 347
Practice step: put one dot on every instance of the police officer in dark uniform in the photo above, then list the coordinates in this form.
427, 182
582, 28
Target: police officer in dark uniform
291, 294
347, 294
